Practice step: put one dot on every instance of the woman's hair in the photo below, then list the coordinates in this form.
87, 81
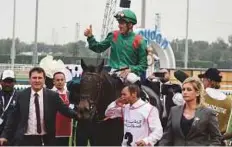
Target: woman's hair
198, 86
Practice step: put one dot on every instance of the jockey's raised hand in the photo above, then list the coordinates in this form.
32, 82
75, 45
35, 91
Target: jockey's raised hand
88, 32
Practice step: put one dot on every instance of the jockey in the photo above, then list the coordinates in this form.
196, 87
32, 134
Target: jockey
127, 48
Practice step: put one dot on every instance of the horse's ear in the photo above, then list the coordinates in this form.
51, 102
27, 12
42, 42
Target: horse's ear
100, 67
83, 65
49, 82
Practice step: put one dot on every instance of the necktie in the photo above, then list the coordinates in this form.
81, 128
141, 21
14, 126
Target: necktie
37, 111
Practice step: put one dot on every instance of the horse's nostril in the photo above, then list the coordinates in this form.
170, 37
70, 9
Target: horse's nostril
81, 111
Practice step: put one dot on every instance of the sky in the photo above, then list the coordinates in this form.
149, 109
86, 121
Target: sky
208, 19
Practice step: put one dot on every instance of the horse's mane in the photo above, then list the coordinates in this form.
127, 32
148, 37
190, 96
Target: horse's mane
91, 68
109, 92
107, 77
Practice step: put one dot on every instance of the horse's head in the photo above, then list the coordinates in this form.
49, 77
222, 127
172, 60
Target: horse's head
91, 85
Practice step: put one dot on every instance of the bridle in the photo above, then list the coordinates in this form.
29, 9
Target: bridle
92, 102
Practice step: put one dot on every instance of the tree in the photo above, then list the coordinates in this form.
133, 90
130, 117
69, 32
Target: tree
219, 45
5, 46
230, 40
201, 53
215, 55
178, 48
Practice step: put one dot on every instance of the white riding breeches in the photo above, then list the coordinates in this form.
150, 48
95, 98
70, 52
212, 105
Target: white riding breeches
130, 78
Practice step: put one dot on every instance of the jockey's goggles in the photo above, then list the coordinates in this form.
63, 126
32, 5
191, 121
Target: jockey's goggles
120, 15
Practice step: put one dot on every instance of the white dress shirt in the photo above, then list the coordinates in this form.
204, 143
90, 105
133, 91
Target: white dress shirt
141, 120
32, 121
65, 91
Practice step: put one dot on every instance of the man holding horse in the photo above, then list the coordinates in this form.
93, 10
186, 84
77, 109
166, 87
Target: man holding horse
142, 126
32, 122
127, 48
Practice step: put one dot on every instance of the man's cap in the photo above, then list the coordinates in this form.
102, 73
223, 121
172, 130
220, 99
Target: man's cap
212, 74
8, 74
180, 75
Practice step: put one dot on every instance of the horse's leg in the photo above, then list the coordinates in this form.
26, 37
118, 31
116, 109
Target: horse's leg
98, 136
113, 129
82, 133
108, 133
94, 135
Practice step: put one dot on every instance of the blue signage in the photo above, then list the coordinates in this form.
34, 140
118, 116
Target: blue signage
154, 35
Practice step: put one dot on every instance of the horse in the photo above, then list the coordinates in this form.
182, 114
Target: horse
97, 90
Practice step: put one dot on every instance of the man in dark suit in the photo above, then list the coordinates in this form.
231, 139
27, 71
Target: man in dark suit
32, 123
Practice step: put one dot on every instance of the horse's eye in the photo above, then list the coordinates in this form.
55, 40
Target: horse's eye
91, 107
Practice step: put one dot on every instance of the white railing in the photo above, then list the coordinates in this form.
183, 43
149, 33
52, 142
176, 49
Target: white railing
17, 67
20, 87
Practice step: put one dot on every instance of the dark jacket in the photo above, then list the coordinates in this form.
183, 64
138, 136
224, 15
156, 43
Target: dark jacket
204, 130
5, 114
18, 121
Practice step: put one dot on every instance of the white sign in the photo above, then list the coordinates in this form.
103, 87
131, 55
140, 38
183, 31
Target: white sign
153, 35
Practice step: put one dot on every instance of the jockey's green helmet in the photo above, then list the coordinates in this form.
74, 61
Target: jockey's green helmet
126, 15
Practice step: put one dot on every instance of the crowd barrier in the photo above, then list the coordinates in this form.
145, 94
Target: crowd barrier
21, 87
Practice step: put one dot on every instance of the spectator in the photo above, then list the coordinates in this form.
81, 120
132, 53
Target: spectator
216, 99
8, 97
63, 123
191, 124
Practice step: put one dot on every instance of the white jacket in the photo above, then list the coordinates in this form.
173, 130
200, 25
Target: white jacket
141, 122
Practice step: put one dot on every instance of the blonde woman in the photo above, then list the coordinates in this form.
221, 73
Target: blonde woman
192, 124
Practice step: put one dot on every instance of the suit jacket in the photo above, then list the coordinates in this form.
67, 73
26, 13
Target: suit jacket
204, 130
9, 110
18, 120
